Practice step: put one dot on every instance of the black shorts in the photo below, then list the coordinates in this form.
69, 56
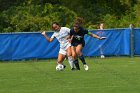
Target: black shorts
76, 44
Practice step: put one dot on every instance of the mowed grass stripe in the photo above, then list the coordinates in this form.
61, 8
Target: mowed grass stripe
109, 75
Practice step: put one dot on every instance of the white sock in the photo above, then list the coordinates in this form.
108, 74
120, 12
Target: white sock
71, 62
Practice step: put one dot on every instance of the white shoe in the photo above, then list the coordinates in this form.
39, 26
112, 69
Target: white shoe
86, 67
102, 56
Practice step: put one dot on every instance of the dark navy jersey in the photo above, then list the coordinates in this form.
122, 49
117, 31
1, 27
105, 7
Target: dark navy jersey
78, 37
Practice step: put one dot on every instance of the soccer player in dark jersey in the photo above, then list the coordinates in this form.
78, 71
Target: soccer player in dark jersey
77, 41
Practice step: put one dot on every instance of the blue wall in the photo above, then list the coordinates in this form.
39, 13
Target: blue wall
16, 46
137, 41
117, 43
26, 46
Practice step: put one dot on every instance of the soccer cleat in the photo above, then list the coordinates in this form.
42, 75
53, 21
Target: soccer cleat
77, 68
64, 66
73, 69
102, 56
86, 67
77, 65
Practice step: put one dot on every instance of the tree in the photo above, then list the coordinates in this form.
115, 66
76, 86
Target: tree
36, 17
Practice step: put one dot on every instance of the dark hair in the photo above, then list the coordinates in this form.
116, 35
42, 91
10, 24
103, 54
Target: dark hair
79, 21
56, 23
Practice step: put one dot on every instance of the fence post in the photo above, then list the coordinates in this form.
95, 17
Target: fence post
131, 40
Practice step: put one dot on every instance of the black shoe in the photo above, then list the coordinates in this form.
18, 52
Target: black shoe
77, 64
77, 68
73, 69
64, 66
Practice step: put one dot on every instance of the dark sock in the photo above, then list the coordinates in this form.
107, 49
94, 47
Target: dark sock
82, 59
77, 64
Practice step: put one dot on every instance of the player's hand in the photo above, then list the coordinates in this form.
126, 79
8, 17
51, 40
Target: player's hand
69, 40
67, 37
43, 33
102, 38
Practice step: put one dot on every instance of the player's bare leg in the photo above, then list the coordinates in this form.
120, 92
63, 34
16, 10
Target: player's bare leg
74, 55
60, 59
70, 59
80, 55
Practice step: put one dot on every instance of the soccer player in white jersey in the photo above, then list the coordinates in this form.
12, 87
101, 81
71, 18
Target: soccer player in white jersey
61, 34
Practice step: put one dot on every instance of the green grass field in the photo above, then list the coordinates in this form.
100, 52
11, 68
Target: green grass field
109, 75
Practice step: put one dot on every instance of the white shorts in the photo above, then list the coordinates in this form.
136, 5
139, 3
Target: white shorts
63, 50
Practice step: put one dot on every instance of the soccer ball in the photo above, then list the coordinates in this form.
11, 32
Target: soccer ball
59, 67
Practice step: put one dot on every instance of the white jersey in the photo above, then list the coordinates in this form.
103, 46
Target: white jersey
61, 36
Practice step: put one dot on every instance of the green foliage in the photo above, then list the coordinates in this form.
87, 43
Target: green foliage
137, 14
36, 17
109, 20
115, 13
6, 4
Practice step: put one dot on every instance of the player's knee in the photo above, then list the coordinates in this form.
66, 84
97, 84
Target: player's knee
79, 53
69, 54
74, 56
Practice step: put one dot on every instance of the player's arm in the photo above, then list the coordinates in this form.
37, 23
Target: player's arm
47, 38
70, 36
95, 36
